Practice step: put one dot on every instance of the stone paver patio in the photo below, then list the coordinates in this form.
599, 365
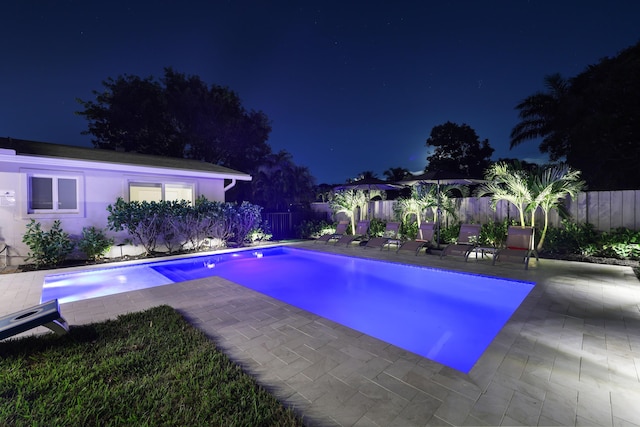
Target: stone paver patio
570, 354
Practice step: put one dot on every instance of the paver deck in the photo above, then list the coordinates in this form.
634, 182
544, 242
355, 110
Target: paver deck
570, 354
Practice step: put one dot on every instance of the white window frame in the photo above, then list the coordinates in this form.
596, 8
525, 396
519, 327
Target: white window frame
54, 176
162, 185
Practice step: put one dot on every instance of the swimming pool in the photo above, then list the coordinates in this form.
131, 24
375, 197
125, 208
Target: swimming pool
445, 316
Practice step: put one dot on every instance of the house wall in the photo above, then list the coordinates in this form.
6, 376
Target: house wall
99, 189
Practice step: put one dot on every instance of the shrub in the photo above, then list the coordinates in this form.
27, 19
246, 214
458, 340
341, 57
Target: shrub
377, 227
248, 219
494, 233
572, 238
138, 219
621, 243
47, 248
314, 228
409, 230
450, 233
94, 243
176, 224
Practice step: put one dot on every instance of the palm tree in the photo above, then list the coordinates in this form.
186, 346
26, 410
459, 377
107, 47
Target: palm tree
347, 201
529, 191
507, 182
396, 174
424, 196
550, 187
279, 182
363, 175
543, 116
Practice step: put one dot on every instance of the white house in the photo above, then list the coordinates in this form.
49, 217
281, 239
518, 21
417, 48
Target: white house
45, 182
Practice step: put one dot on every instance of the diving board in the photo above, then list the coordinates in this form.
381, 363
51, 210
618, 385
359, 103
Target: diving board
46, 314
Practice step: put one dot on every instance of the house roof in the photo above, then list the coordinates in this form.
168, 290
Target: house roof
50, 150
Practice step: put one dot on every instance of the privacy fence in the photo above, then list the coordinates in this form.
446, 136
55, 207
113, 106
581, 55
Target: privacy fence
606, 210
283, 225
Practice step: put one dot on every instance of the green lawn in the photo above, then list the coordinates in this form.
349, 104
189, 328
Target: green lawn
147, 368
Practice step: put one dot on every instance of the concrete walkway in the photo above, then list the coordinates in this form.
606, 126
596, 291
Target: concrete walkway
570, 355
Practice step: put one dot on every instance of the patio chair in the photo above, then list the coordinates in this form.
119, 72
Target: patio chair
361, 231
389, 237
46, 314
423, 240
520, 246
341, 229
466, 243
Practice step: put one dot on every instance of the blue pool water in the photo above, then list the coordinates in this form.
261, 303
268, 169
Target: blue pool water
445, 316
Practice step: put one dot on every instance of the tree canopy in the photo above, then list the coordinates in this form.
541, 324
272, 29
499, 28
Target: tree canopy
181, 116
591, 120
458, 149
279, 183
178, 116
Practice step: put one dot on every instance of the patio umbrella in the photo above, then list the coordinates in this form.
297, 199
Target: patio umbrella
369, 184
440, 177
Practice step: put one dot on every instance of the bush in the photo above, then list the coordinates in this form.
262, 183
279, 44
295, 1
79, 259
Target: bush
176, 224
47, 248
409, 230
584, 239
139, 219
377, 227
494, 233
248, 220
94, 243
449, 234
572, 238
621, 243
313, 228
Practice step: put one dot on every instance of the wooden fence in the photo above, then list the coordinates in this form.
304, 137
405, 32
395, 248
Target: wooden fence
606, 210
283, 224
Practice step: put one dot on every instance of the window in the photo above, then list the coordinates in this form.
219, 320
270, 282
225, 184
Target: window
53, 194
156, 192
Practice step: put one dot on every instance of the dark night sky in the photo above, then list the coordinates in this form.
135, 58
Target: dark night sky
350, 86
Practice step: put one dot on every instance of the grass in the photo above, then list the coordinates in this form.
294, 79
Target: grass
146, 368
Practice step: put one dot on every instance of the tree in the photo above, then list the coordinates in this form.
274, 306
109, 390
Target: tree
179, 116
458, 149
427, 197
552, 185
363, 175
347, 201
544, 188
396, 174
591, 116
279, 183
542, 116
508, 182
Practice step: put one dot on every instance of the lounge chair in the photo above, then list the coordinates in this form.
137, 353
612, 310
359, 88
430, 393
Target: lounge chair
466, 243
341, 229
46, 314
389, 237
519, 246
423, 240
361, 231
